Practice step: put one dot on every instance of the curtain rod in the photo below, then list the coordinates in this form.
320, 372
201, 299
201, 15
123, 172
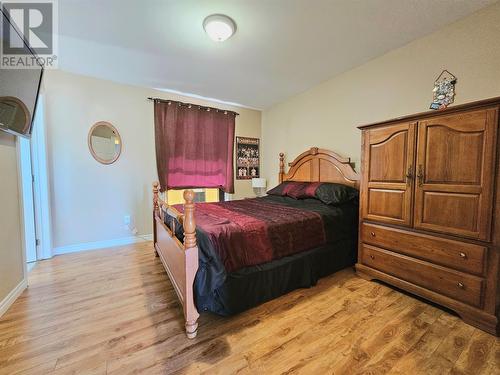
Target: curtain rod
191, 104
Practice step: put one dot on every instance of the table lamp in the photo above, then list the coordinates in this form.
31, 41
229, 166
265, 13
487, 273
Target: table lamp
259, 186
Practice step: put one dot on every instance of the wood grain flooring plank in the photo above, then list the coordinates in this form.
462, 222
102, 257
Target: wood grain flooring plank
474, 357
114, 311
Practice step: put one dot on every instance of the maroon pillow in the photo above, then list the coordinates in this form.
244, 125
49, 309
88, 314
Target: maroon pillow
302, 190
279, 190
297, 190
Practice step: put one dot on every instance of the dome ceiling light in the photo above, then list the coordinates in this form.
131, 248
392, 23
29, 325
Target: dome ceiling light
219, 27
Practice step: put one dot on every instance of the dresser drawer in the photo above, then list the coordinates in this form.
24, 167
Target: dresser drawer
454, 254
454, 284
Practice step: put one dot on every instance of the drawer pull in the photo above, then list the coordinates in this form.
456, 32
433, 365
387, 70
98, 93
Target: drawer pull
372, 257
463, 255
460, 285
372, 234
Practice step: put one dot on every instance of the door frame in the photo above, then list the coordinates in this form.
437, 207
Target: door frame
41, 186
34, 191
23, 146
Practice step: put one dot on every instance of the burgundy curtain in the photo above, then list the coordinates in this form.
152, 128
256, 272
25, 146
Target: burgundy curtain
194, 146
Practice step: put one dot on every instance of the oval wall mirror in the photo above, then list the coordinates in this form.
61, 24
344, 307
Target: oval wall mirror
105, 143
14, 115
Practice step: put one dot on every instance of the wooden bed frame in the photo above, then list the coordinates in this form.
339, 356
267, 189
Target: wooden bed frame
181, 259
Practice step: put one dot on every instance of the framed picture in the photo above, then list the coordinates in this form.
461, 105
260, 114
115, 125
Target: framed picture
247, 158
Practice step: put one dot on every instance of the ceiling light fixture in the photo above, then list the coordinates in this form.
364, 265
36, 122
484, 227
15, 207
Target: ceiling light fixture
219, 27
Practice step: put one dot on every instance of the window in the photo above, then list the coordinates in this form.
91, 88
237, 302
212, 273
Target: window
194, 146
201, 195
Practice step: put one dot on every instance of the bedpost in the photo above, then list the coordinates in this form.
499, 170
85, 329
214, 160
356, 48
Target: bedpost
191, 256
189, 223
156, 188
282, 167
156, 212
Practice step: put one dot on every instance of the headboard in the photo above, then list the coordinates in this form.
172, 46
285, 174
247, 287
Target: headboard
319, 165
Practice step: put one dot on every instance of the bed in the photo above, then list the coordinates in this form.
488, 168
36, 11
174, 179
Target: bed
282, 243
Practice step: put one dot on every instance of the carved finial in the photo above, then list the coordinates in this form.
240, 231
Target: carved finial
189, 223
314, 150
156, 188
282, 167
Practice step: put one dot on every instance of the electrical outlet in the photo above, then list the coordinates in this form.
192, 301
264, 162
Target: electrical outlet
126, 219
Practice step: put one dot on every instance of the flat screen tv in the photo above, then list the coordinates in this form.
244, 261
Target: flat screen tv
19, 88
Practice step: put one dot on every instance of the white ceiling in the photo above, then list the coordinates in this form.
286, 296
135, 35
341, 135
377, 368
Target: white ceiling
281, 47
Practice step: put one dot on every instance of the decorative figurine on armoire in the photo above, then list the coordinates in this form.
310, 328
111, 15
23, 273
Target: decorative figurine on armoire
444, 90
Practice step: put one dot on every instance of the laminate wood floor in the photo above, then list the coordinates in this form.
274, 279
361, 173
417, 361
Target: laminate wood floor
114, 311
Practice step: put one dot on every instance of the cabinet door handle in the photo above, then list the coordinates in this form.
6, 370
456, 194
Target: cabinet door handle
409, 174
463, 255
460, 285
420, 175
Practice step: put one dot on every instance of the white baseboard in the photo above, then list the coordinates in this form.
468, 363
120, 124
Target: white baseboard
101, 244
12, 296
146, 237
30, 266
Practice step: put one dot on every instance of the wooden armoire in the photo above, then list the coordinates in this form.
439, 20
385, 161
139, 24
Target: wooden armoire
430, 208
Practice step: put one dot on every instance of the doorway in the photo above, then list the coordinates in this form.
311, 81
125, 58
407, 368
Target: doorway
35, 192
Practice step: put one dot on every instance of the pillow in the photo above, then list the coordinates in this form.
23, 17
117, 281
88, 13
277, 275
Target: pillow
287, 188
332, 193
294, 189
302, 190
279, 190
326, 192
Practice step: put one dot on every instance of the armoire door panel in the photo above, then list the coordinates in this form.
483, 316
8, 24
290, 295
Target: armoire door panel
453, 156
387, 203
388, 172
453, 213
454, 184
383, 166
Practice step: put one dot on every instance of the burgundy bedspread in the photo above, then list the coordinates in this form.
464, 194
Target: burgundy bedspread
254, 231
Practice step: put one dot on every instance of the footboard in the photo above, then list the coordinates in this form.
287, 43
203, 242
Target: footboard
179, 259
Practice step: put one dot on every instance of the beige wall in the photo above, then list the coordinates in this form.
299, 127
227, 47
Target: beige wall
395, 84
88, 199
11, 246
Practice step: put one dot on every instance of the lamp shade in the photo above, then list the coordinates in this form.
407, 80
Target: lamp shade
259, 182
